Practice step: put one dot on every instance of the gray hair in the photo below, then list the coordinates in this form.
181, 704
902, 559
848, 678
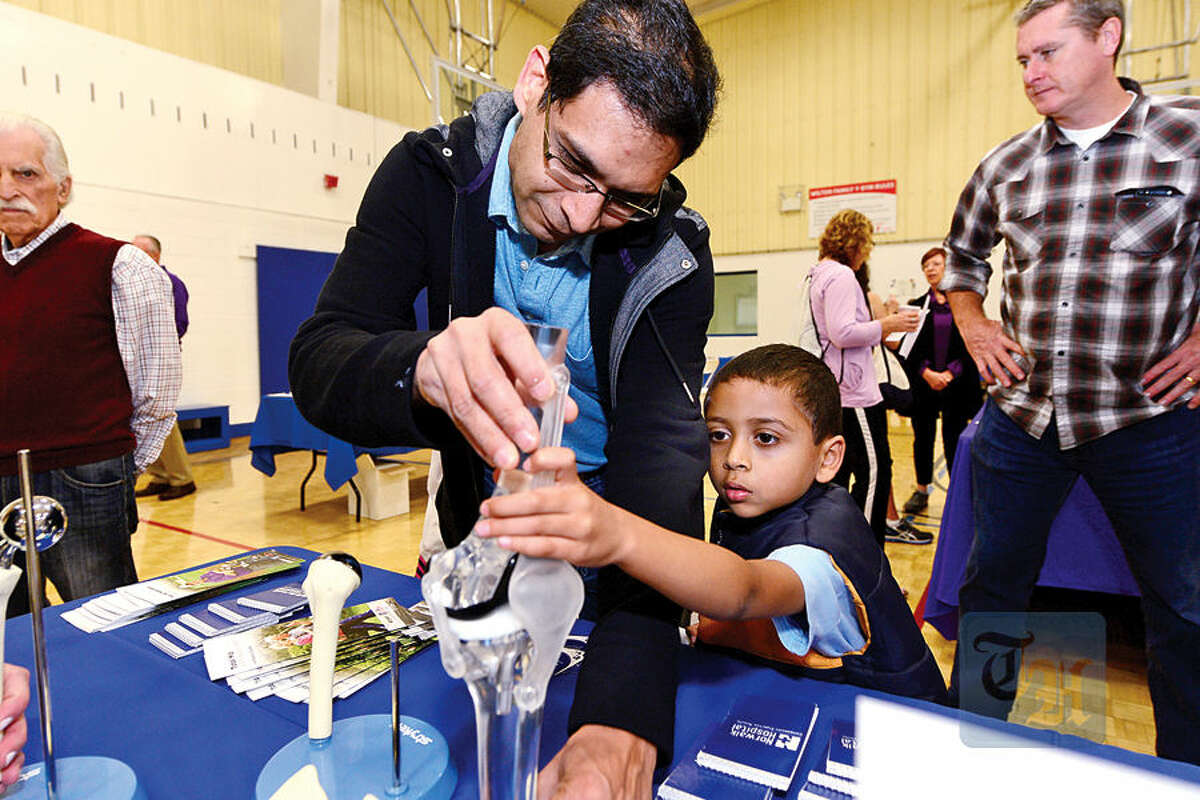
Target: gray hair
1087, 15
55, 157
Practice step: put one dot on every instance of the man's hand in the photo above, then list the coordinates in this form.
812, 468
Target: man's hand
986, 341
567, 520
599, 763
482, 371
1176, 374
937, 380
12, 718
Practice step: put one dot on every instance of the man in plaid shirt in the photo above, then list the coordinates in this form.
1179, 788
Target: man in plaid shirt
1094, 363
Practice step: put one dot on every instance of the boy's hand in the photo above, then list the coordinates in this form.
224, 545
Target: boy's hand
566, 520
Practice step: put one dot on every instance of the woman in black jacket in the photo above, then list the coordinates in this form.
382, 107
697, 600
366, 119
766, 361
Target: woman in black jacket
944, 380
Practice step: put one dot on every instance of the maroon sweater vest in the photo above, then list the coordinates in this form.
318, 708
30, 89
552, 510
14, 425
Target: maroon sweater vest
63, 389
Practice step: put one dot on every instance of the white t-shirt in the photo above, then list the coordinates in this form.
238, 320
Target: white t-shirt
1085, 138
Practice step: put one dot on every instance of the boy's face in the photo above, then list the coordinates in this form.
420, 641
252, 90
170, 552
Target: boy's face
761, 450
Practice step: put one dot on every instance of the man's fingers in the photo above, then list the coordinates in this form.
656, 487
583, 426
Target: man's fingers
997, 371
985, 372
1158, 369
1159, 386
547, 781
449, 379
1010, 346
514, 346
1176, 384
479, 429
472, 371
571, 410
491, 390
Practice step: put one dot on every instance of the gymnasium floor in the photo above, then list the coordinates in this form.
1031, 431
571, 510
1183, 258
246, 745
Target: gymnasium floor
237, 508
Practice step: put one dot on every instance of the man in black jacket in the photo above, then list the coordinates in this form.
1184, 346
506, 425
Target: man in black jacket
554, 204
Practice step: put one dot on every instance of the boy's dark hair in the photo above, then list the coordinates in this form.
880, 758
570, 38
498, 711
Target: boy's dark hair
813, 387
652, 52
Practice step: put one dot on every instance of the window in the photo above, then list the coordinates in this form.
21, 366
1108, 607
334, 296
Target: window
735, 304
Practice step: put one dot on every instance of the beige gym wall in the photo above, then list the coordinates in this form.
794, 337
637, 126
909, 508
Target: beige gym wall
243, 36
375, 75
816, 92
821, 93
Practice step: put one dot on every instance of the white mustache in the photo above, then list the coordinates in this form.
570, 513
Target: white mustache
20, 204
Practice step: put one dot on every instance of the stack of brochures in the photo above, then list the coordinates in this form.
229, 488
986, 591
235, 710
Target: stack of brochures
187, 634
281, 600
751, 754
839, 780
274, 659
139, 601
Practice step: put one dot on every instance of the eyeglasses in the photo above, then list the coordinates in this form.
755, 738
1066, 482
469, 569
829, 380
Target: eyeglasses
622, 205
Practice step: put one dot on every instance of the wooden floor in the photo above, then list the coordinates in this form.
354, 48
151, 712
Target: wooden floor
237, 508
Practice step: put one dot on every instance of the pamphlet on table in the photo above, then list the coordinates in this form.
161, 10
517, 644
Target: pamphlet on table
274, 659
837, 782
761, 739
139, 601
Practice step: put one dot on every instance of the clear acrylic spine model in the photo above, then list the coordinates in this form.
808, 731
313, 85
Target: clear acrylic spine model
502, 619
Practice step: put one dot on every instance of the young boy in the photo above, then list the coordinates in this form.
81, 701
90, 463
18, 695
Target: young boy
793, 575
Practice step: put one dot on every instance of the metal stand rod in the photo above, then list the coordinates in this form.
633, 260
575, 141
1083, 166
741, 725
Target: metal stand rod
397, 783
34, 567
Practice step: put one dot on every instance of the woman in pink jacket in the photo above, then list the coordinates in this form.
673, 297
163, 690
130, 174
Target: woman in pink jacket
847, 333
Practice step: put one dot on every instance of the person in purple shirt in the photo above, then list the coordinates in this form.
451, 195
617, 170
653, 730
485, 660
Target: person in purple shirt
944, 378
171, 474
847, 333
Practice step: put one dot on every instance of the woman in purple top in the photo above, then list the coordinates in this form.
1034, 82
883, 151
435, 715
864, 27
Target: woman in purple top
847, 334
944, 380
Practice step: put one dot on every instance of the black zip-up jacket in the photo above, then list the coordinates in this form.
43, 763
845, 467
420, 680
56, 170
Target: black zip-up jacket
423, 225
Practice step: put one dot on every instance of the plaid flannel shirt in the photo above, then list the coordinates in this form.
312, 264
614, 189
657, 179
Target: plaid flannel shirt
1100, 276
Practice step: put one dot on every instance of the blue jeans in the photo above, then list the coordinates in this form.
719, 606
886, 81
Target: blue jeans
1147, 478
94, 555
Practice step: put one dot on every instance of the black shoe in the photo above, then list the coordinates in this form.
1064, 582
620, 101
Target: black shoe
174, 492
154, 487
904, 532
917, 503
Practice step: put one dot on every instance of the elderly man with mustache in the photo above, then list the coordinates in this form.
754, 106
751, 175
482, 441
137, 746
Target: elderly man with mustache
89, 363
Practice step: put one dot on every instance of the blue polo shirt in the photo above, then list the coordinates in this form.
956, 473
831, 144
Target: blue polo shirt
551, 289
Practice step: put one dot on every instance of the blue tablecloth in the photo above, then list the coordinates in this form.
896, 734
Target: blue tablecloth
279, 428
1082, 553
187, 737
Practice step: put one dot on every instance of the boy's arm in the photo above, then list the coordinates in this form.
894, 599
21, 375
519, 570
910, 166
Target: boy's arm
571, 522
